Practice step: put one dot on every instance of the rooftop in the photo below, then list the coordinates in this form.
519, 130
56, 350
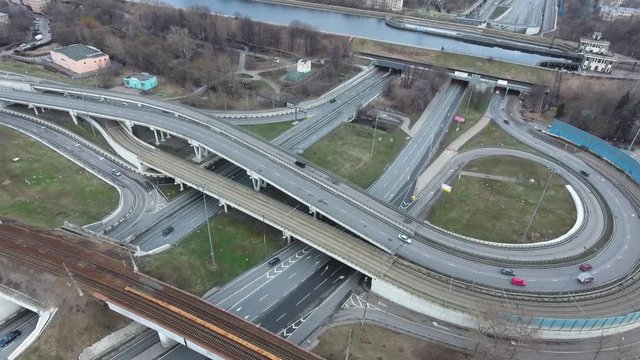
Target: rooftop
79, 51
140, 76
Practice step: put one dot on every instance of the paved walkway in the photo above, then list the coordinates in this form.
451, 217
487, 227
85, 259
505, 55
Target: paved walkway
452, 150
488, 176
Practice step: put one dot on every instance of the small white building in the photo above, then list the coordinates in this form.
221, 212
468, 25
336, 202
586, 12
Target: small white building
596, 54
304, 66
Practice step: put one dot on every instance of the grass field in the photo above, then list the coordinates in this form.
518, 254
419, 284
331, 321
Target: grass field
346, 151
493, 136
43, 188
500, 211
238, 245
270, 131
377, 343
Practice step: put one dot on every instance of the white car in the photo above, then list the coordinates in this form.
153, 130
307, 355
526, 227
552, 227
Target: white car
404, 238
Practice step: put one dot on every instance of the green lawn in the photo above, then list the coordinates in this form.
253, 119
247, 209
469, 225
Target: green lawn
493, 136
500, 211
40, 71
238, 245
44, 188
270, 131
346, 151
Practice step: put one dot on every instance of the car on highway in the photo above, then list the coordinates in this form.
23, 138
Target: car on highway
584, 173
273, 261
168, 230
506, 122
332, 100
301, 164
518, 281
506, 271
116, 172
585, 267
405, 238
585, 277
7, 339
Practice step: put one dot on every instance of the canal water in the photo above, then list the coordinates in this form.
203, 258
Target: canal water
358, 26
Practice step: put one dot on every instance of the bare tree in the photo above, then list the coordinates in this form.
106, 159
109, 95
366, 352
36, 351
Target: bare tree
181, 43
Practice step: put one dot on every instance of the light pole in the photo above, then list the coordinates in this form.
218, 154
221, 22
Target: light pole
206, 214
373, 141
634, 140
553, 171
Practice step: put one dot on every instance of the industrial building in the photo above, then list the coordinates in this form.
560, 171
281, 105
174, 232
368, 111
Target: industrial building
80, 59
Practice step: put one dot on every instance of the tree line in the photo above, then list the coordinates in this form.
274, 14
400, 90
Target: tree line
189, 46
18, 29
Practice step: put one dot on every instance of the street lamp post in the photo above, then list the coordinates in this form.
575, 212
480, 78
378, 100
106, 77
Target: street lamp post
206, 214
553, 171
373, 141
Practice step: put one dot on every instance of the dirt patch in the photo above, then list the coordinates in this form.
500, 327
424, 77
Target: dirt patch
377, 343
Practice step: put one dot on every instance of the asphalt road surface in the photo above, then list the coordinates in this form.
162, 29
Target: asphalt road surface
26, 323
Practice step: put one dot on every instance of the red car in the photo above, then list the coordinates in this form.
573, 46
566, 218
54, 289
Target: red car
585, 267
518, 281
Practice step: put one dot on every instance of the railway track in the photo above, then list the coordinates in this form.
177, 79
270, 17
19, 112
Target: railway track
110, 278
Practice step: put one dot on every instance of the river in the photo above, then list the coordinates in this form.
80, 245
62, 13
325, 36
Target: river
357, 26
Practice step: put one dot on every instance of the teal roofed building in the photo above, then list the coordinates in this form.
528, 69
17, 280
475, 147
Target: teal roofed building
142, 81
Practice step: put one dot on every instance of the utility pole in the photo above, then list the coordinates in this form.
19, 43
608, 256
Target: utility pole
206, 214
535, 211
135, 266
73, 280
373, 141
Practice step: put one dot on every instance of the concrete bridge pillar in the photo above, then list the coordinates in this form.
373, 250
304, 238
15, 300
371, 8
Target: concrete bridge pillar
198, 149
166, 341
155, 135
162, 136
129, 125
35, 109
73, 114
223, 204
286, 235
257, 181
179, 183
313, 210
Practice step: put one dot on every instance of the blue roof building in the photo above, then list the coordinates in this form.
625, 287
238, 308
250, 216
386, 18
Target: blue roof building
142, 81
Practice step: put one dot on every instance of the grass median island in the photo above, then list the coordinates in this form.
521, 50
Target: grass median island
346, 152
238, 244
43, 188
493, 136
374, 342
500, 210
270, 131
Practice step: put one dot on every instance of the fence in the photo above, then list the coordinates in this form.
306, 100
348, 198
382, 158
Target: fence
580, 324
599, 147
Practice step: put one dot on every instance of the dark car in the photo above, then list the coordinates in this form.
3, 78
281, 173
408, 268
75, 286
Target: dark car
168, 230
506, 122
584, 173
7, 339
509, 272
301, 164
332, 100
585, 267
273, 261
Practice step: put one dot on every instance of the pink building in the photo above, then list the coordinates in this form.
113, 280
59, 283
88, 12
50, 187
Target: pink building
81, 59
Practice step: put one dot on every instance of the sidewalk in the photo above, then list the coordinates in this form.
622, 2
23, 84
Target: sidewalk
452, 150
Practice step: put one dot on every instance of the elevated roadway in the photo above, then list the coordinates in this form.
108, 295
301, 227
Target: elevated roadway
409, 281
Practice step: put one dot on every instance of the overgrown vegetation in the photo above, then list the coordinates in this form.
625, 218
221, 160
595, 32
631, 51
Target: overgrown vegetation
19, 25
191, 47
581, 18
415, 90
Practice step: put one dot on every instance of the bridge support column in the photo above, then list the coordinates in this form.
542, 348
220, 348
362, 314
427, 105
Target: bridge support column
313, 210
286, 235
198, 149
223, 204
35, 110
162, 136
166, 341
181, 185
129, 126
155, 135
73, 114
258, 182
